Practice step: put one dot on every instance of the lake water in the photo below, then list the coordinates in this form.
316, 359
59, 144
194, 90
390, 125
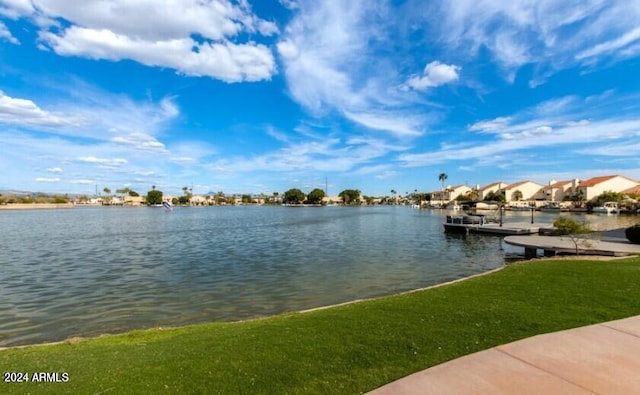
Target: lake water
89, 271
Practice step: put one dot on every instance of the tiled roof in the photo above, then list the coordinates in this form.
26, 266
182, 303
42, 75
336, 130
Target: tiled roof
491, 185
635, 189
559, 184
517, 184
596, 180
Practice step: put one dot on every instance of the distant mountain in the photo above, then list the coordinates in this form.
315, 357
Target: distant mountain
15, 192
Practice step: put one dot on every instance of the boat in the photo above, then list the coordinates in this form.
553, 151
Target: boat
459, 223
478, 223
486, 206
551, 207
607, 208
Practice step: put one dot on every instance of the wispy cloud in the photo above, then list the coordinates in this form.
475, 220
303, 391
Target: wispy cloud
332, 66
545, 32
45, 179
6, 34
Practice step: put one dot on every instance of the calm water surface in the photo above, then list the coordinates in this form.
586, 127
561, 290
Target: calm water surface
88, 271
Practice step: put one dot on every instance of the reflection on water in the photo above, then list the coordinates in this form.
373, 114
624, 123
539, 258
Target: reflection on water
88, 271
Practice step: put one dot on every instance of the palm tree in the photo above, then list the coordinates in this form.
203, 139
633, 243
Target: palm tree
442, 178
393, 192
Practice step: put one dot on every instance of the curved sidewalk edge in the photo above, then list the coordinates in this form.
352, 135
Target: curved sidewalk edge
602, 358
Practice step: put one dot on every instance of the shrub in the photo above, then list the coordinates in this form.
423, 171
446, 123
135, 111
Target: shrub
633, 234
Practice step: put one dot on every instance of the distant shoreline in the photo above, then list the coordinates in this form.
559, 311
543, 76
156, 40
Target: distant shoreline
35, 206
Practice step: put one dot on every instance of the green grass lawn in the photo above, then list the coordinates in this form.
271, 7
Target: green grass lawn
347, 349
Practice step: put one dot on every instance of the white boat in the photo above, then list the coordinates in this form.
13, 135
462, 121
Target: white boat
486, 206
459, 223
454, 206
607, 208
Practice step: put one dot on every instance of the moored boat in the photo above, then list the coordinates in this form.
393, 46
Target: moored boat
607, 208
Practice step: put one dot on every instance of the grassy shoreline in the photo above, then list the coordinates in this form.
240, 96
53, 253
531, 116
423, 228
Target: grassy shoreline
348, 348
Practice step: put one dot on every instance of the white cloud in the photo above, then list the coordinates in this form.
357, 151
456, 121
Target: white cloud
16, 8
84, 111
82, 182
54, 169
225, 61
141, 142
491, 125
614, 45
567, 135
103, 161
44, 179
400, 126
545, 32
25, 112
196, 38
6, 34
435, 74
332, 65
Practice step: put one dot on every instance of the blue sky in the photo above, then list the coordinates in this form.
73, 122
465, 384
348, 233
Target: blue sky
262, 96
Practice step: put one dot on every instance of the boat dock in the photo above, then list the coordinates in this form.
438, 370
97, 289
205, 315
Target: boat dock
505, 229
552, 245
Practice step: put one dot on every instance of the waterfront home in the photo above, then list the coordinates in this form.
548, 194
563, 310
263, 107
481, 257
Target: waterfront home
529, 191
197, 200
557, 191
133, 201
487, 189
597, 185
450, 194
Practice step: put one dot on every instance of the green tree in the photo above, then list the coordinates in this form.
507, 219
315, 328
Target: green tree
516, 195
315, 196
107, 195
574, 230
350, 196
473, 195
246, 199
133, 193
154, 197
495, 196
293, 196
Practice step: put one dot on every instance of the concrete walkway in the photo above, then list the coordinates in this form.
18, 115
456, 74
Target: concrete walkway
600, 359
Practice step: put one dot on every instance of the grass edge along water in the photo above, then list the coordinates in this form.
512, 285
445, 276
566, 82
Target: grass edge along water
345, 349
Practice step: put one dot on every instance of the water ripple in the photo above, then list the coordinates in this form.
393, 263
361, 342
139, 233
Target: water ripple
89, 271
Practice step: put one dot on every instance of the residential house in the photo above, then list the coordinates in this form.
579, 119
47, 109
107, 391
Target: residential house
133, 201
450, 194
557, 191
487, 189
528, 191
198, 200
597, 185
